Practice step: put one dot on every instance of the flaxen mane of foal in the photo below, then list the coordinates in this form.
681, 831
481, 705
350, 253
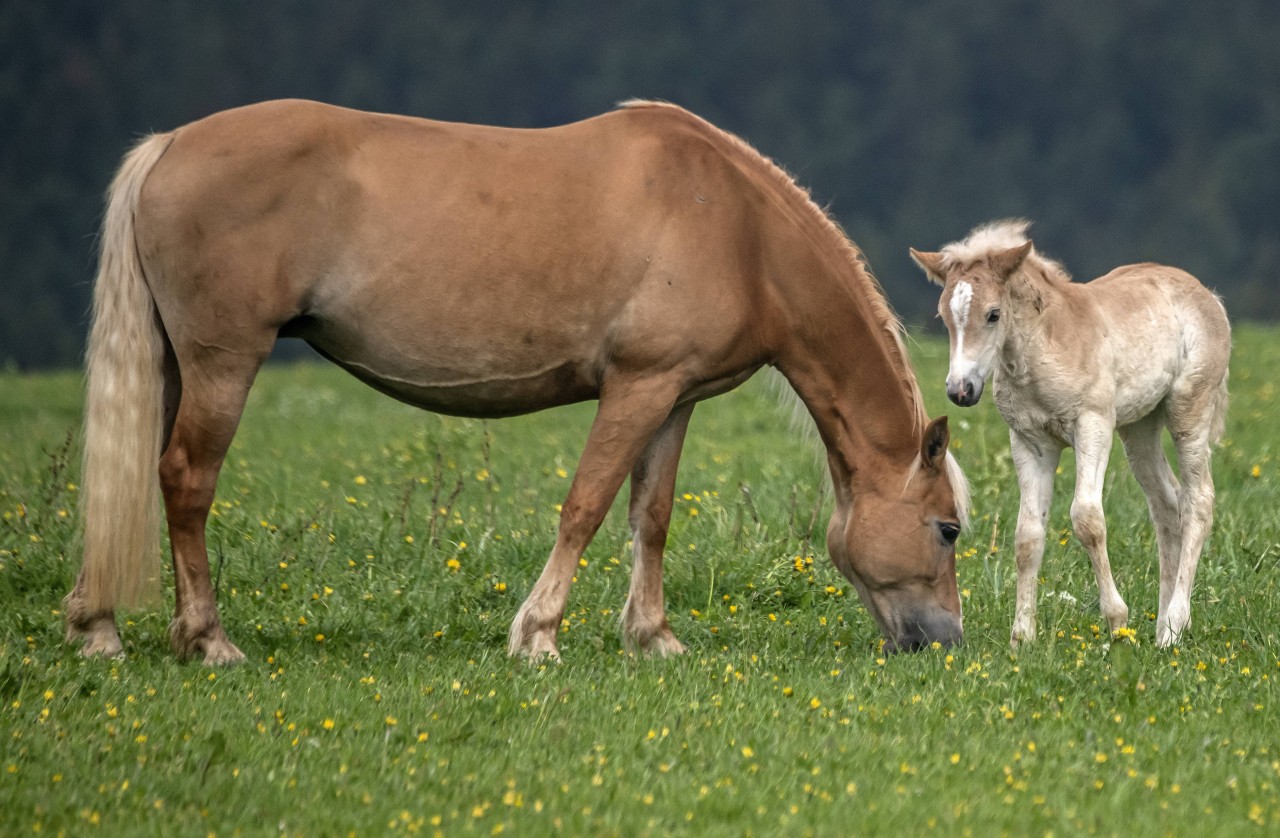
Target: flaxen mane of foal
1139, 350
643, 258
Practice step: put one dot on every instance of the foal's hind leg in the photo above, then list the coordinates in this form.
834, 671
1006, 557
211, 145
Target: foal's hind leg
214, 388
653, 480
1195, 504
1151, 470
1093, 448
629, 414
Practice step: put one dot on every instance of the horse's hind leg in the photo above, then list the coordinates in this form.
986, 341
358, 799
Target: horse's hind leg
629, 414
215, 385
1151, 469
653, 481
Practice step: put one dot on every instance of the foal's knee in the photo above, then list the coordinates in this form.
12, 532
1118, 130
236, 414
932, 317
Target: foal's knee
1089, 524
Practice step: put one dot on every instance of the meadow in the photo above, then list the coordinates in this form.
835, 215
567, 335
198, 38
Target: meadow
369, 559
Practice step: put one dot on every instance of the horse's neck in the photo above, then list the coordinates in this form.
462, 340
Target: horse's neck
845, 367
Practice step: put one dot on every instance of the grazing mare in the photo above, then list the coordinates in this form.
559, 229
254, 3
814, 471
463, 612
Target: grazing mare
643, 258
1141, 349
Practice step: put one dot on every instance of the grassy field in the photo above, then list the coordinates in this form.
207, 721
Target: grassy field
370, 557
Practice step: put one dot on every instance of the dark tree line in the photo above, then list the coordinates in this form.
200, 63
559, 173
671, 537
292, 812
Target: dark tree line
1148, 129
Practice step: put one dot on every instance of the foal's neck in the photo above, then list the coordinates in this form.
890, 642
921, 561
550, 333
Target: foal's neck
1030, 301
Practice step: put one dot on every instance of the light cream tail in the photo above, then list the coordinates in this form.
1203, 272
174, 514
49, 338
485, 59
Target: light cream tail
124, 402
1219, 426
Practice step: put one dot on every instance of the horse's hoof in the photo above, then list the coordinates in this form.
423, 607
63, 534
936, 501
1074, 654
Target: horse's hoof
208, 641
664, 645
102, 645
98, 637
222, 652
660, 643
537, 648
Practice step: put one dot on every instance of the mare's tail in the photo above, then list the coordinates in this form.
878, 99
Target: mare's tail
124, 404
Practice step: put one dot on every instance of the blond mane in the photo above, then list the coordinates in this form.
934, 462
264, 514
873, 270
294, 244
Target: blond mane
877, 303
994, 237
883, 317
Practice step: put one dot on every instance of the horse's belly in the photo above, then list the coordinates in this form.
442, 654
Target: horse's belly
508, 389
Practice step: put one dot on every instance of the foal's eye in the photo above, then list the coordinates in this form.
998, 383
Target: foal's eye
993, 315
950, 531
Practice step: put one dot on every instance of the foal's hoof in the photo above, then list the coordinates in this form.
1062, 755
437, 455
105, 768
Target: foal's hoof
1022, 634
1172, 623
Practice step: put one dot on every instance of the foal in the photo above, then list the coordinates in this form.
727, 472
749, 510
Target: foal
1143, 348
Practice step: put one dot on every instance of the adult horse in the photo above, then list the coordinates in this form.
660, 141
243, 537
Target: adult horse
1141, 349
643, 258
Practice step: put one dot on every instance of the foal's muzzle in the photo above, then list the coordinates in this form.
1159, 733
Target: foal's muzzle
966, 392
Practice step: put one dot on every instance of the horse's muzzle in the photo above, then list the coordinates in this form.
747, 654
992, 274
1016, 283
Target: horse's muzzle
923, 630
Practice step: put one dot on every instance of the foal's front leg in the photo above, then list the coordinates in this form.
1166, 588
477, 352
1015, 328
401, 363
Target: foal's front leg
629, 414
1036, 462
1093, 448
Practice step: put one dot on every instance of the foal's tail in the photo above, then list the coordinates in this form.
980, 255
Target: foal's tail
1219, 424
124, 404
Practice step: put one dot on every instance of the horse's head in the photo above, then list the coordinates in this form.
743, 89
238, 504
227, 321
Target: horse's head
894, 539
974, 292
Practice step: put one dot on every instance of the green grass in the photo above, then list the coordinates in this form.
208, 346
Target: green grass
370, 558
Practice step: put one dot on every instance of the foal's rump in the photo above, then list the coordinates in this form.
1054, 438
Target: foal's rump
1173, 339
467, 269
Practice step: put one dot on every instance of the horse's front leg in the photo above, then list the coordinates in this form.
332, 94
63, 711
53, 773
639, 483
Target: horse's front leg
1093, 447
653, 482
1036, 461
629, 414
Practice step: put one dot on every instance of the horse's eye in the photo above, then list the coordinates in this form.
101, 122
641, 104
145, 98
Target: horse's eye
993, 316
950, 531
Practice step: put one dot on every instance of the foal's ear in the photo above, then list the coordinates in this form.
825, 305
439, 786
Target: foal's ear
931, 264
1006, 262
933, 448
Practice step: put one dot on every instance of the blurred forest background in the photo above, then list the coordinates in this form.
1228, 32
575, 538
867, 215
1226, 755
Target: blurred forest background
1147, 129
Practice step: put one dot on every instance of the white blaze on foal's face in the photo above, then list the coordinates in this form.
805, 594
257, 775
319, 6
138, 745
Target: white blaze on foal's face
970, 307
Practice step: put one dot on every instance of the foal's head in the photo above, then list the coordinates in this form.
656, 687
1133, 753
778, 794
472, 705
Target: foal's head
974, 275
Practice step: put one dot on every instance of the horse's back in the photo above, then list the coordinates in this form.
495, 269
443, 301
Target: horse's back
467, 268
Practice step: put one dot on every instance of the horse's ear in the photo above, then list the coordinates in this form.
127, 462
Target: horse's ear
933, 448
1006, 262
931, 264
